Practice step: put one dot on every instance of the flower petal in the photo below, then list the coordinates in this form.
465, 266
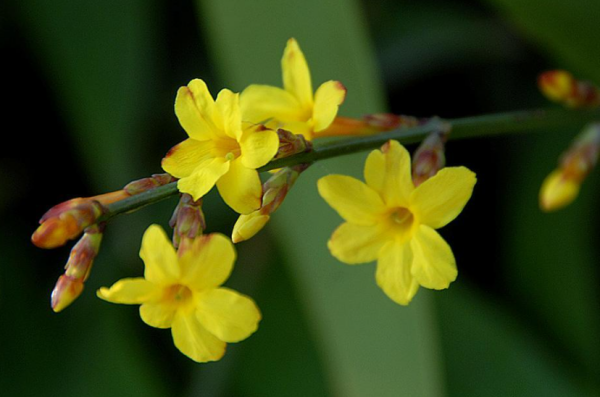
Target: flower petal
208, 262
296, 75
353, 244
193, 340
240, 188
194, 107
328, 98
228, 106
440, 199
259, 146
434, 265
227, 314
158, 254
352, 199
375, 170
204, 177
397, 181
184, 158
158, 315
394, 273
129, 291
260, 103
303, 128
247, 226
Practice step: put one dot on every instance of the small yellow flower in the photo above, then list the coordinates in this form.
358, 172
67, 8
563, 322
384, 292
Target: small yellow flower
391, 221
220, 150
183, 292
294, 108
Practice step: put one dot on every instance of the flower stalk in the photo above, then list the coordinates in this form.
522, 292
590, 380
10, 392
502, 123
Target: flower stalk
463, 128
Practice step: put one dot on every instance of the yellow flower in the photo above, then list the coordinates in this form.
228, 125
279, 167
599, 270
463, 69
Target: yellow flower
183, 292
294, 108
391, 221
220, 150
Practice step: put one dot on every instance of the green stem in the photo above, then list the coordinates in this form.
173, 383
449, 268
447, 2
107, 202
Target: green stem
469, 127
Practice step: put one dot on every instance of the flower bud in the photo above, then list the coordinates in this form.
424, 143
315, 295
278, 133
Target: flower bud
66, 221
369, 124
560, 86
69, 286
429, 157
562, 186
145, 184
275, 189
188, 219
248, 225
290, 144
65, 292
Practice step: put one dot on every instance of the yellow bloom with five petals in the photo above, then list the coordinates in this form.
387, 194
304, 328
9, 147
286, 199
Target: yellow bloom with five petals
220, 150
294, 108
391, 221
183, 292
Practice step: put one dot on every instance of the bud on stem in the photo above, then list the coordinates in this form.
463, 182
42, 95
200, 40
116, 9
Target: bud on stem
145, 184
560, 86
275, 189
70, 285
368, 125
429, 157
290, 144
188, 220
562, 186
66, 221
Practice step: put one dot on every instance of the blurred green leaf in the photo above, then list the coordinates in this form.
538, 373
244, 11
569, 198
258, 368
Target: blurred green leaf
284, 350
568, 30
369, 345
489, 352
74, 353
551, 260
421, 39
98, 60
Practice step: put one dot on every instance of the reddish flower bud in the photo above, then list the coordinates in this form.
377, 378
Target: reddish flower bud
560, 86
69, 286
66, 221
369, 124
429, 157
562, 186
145, 184
67, 289
290, 144
188, 220
275, 189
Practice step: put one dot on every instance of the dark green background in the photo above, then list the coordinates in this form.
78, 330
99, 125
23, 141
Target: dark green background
89, 89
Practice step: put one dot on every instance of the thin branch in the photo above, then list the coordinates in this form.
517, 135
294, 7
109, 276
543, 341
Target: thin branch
469, 127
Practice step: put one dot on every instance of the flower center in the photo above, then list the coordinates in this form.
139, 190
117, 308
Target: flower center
401, 222
228, 148
177, 294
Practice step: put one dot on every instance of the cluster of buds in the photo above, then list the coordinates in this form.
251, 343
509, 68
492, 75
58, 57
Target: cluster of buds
369, 124
562, 186
66, 221
429, 157
70, 285
560, 86
290, 144
275, 189
187, 221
